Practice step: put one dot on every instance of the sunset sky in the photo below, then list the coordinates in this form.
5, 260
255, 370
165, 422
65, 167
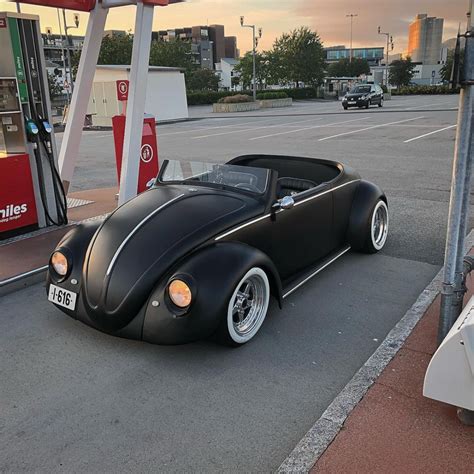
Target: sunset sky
328, 18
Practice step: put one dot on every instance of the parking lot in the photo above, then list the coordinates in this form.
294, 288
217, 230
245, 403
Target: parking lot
79, 400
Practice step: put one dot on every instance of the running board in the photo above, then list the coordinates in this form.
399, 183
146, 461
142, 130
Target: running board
305, 277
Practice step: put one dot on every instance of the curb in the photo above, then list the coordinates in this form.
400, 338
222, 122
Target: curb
322, 433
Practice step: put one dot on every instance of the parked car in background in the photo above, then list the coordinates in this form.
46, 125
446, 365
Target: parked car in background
363, 95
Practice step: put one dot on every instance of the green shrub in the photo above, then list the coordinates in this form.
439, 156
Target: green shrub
424, 90
272, 95
211, 97
235, 99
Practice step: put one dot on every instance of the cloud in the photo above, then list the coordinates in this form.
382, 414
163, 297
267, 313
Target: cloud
329, 19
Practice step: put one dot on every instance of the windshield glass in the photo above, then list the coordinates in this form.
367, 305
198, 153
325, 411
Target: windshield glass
360, 89
193, 172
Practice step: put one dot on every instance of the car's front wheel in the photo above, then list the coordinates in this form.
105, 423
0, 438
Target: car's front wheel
377, 231
381, 103
367, 105
247, 308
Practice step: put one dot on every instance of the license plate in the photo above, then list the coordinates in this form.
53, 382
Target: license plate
62, 297
352, 102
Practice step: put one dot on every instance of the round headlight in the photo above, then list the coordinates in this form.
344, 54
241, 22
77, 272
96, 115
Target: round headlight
59, 263
180, 293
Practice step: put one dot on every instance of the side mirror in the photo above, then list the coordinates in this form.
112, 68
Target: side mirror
286, 202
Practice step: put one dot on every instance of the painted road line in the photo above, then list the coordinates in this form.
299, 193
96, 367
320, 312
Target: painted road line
369, 128
430, 133
256, 128
204, 128
309, 128
427, 105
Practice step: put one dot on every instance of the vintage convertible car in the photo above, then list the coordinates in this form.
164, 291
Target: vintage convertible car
201, 252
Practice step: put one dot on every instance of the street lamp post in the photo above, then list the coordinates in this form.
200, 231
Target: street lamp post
254, 47
389, 43
68, 52
351, 15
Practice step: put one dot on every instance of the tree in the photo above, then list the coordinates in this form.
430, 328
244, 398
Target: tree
401, 72
55, 87
116, 49
298, 56
346, 68
174, 53
202, 80
447, 68
262, 69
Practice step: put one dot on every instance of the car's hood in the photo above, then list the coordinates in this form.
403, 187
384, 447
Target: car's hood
142, 239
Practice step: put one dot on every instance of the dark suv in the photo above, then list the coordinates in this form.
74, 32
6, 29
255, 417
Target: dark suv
363, 95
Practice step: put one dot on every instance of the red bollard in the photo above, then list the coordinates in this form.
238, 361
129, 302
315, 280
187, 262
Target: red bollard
149, 151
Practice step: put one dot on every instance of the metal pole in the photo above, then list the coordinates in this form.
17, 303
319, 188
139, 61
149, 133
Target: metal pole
80, 97
18, 8
386, 64
459, 200
350, 54
136, 105
63, 57
254, 67
71, 82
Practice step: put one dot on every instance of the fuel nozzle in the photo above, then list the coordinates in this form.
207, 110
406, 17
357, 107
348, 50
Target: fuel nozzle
32, 130
45, 130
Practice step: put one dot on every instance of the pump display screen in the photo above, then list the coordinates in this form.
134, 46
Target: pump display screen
9, 95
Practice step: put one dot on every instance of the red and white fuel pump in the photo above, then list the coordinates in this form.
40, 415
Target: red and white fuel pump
148, 164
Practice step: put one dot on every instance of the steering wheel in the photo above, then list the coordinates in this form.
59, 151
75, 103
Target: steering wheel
248, 187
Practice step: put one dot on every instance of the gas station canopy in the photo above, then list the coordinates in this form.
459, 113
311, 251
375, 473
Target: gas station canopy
88, 5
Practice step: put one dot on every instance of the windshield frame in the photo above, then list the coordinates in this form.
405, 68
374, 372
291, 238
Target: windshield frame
210, 184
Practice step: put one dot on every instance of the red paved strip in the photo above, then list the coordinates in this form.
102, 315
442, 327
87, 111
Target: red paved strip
394, 429
29, 254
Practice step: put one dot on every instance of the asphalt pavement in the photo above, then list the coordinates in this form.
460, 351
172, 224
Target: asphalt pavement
416, 175
75, 400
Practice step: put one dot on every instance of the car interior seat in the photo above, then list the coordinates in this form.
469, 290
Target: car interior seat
291, 186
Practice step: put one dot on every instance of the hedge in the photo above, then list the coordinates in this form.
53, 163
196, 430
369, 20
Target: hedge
272, 95
422, 90
210, 97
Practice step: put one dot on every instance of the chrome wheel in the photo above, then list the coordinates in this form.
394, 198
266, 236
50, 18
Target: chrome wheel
379, 225
248, 306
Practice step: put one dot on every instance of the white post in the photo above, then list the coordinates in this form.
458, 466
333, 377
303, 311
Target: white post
136, 103
81, 94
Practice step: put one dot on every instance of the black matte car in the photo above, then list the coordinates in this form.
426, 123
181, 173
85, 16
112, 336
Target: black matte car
363, 95
201, 252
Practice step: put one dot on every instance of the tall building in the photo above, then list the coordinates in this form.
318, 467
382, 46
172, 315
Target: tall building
231, 47
424, 39
198, 36
216, 35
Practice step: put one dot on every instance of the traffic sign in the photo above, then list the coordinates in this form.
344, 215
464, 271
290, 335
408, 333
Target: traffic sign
122, 89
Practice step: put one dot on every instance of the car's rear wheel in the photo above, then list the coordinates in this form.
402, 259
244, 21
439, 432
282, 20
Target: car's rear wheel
378, 228
247, 308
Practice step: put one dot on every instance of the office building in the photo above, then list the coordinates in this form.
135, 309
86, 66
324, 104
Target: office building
216, 35
231, 47
424, 39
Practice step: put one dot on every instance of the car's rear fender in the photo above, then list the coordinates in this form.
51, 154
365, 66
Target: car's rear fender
212, 273
365, 197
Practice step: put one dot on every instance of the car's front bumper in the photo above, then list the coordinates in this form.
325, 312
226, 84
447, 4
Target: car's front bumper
355, 103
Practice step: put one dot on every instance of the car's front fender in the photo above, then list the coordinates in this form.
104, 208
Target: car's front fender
212, 272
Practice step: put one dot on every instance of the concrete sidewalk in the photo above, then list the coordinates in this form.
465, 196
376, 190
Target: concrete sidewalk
394, 428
